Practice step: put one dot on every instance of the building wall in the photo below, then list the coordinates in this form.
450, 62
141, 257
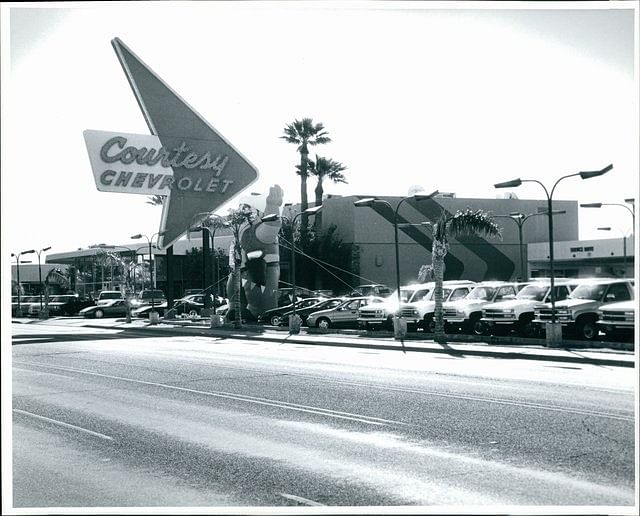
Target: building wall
474, 258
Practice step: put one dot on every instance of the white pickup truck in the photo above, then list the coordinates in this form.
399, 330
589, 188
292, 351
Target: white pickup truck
617, 320
466, 314
518, 312
578, 314
419, 312
380, 315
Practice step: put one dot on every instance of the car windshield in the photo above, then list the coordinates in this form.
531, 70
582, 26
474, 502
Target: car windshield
533, 292
110, 295
485, 293
588, 292
413, 295
149, 294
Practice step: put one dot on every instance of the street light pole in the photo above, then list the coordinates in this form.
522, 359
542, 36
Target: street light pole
624, 248
150, 240
631, 210
369, 202
554, 334
17, 257
40, 273
212, 233
293, 326
520, 219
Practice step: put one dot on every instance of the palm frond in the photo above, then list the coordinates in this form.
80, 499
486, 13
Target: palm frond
469, 222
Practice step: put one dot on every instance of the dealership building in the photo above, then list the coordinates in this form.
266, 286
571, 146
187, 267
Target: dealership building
370, 230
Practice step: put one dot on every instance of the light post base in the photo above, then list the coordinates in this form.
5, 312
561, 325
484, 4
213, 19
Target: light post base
217, 321
554, 335
43, 314
154, 317
399, 328
295, 321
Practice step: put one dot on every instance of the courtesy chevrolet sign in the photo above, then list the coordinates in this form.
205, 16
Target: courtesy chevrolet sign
184, 158
137, 163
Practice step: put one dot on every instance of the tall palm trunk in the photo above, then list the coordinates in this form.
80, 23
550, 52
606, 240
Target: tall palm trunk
438, 252
237, 281
304, 200
319, 191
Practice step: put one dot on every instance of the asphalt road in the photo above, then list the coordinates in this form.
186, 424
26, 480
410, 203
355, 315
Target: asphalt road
116, 419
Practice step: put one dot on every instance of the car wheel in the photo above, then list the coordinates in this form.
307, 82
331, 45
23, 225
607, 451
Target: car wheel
429, 324
323, 323
99, 314
193, 313
276, 320
587, 329
477, 326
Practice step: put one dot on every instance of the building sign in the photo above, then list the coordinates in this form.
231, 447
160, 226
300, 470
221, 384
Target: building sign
137, 163
184, 159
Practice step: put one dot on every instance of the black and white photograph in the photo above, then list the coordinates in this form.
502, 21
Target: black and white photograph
362, 257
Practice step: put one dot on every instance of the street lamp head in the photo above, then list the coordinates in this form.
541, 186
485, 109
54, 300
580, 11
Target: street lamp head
414, 224
136, 237
29, 251
424, 197
604, 229
45, 249
367, 201
270, 218
509, 184
516, 215
591, 205
311, 211
595, 173
630, 201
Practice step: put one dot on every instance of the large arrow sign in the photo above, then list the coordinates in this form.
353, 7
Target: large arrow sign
189, 161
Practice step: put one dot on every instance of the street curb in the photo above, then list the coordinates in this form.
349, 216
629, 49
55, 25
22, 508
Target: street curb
396, 346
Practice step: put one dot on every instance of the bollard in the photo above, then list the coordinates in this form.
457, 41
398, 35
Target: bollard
295, 321
399, 328
154, 317
554, 335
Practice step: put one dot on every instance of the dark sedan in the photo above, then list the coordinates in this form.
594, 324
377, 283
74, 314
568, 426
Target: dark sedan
275, 315
110, 308
304, 312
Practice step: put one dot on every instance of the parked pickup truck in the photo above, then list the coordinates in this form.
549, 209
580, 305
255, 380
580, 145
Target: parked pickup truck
380, 315
418, 313
578, 314
466, 314
618, 319
517, 313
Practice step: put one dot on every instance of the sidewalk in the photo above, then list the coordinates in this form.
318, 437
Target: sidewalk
459, 345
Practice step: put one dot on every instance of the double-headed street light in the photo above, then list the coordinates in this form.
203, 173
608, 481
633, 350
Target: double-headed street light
554, 333
152, 282
17, 257
293, 328
520, 219
371, 201
40, 272
624, 247
631, 210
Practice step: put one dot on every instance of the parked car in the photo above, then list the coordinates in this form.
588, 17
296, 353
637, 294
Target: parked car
418, 312
517, 314
191, 305
466, 314
146, 297
305, 312
371, 290
108, 295
578, 313
380, 315
275, 315
66, 304
107, 308
145, 310
343, 315
617, 320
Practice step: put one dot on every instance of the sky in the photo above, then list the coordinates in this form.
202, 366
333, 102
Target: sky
446, 96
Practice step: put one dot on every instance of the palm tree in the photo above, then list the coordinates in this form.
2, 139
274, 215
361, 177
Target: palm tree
156, 200
325, 168
304, 133
465, 222
237, 220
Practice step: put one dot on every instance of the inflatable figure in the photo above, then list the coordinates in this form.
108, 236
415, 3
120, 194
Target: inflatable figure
260, 269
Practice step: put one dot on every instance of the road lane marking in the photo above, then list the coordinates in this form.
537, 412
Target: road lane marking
61, 423
301, 500
40, 372
370, 420
488, 400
